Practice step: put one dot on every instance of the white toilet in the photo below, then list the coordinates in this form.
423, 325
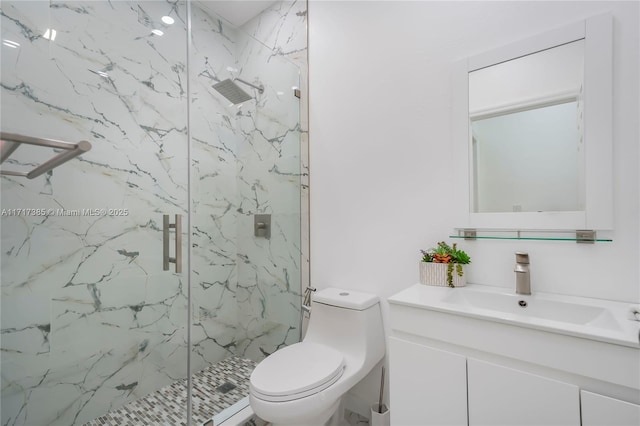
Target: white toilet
303, 384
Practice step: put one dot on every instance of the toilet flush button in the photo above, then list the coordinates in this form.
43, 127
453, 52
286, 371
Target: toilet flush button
344, 293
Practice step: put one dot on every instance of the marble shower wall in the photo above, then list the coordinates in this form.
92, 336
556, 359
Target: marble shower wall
283, 28
89, 320
214, 189
269, 182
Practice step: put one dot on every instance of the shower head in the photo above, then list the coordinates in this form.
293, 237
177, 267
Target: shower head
230, 90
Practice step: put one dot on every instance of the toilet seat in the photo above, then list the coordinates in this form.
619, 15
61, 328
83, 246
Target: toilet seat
296, 371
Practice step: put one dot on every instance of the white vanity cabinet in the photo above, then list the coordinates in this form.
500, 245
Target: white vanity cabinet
452, 365
600, 410
505, 396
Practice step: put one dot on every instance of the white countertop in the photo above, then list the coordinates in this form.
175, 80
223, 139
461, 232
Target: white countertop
595, 319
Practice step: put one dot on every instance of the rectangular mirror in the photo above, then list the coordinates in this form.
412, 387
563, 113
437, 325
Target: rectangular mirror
526, 132
533, 131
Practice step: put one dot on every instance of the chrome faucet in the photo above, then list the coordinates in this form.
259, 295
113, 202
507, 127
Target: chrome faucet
523, 278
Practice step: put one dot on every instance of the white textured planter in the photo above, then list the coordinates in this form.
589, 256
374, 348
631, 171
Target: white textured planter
436, 274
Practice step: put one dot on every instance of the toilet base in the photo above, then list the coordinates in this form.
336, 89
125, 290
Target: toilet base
337, 418
331, 417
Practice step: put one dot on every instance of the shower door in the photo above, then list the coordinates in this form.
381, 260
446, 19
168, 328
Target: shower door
90, 319
246, 164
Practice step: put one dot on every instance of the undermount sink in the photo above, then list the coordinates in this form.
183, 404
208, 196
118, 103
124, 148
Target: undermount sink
594, 319
534, 306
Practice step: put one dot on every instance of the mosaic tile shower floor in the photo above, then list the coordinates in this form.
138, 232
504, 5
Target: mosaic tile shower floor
167, 406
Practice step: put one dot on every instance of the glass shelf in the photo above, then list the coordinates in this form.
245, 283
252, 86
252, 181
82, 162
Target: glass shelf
578, 236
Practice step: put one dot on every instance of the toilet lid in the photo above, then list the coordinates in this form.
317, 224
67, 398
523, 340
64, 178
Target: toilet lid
296, 371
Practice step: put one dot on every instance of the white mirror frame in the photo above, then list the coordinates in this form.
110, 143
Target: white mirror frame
598, 133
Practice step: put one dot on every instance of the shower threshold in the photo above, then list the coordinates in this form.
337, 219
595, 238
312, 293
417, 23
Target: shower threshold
239, 414
218, 392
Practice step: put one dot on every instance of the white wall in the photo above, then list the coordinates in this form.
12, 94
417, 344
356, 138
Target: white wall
380, 144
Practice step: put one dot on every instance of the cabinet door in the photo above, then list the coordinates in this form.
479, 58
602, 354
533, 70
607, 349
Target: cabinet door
504, 396
427, 386
598, 410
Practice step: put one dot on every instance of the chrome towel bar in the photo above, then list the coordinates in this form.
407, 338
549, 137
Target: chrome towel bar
11, 141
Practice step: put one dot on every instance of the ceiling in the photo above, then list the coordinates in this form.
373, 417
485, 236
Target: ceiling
238, 12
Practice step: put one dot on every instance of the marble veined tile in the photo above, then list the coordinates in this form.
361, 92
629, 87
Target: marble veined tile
283, 28
98, 323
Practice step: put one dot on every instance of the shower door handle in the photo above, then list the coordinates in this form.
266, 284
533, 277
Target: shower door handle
166, 226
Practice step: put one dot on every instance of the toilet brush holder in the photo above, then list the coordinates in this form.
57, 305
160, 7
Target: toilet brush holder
380, 418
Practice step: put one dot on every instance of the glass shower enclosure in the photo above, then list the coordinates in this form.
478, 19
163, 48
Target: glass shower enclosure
151, 222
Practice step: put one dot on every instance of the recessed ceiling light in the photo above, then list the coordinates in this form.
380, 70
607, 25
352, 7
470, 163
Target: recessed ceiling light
157, 32
168, 20
10, 43
50, 34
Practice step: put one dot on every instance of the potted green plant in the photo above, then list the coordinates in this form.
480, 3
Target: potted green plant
443, 265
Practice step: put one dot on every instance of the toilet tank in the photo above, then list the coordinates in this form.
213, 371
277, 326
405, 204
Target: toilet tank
348, 321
